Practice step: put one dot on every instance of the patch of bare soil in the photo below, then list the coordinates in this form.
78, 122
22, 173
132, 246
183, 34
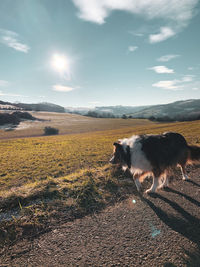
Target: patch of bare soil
158, 230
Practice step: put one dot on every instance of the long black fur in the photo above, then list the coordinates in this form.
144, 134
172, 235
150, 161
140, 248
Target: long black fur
194, 153
165, 150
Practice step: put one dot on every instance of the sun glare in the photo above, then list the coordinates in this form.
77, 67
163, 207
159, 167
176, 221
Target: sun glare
60, 63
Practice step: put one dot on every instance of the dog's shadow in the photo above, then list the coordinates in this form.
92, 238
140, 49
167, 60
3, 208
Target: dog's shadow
193, 183
187, 225
192, 200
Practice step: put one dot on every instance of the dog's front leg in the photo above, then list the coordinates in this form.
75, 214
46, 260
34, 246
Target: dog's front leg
137, 183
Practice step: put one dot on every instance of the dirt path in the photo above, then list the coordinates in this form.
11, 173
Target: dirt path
160, 230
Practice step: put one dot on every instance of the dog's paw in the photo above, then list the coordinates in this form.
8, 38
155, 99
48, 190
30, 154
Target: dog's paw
185, 178
149, 191
163, 187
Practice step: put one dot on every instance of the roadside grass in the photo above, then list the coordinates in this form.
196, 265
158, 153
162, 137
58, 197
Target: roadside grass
46, 203
53, 179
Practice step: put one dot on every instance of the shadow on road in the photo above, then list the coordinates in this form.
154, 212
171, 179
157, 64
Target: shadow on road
192, 200
192, 182
186, 225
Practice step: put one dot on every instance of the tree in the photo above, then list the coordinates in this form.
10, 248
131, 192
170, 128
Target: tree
50, 130
124, 116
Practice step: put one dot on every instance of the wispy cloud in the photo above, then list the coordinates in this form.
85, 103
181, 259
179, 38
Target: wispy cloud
4, 83
167, 57
11, 94
169, 85
62, 88
176, 13
188, 78
174, 84
161, 69
132, 48
11, 39
136, 33
164, 34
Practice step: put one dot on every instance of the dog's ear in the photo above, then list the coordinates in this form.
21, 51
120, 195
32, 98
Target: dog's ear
115, 144
118, 143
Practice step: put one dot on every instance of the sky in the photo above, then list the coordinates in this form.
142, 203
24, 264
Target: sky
86, 53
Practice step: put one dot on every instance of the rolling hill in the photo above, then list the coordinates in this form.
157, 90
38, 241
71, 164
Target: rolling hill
179, 110
44, 106
186, 109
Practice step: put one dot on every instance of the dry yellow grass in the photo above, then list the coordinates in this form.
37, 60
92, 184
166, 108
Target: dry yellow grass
35, 159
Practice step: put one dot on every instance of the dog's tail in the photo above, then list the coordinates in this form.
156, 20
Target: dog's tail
194, 154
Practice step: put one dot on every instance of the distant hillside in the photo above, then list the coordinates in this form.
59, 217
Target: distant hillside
42, 107
180, 110
116, 111
120, 110
49, 107
78, 110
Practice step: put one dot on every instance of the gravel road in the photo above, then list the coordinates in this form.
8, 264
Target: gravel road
157, 230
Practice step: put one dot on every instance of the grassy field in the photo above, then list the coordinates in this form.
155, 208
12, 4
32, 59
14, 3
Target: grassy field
67, 124
49, 177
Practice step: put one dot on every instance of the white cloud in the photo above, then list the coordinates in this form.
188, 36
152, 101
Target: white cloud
165, 33
62, 88
188, 78
132, 48
176, 13
167, 58
170, 85
10, 39
161, 69
4, 83
174, 84
98, 10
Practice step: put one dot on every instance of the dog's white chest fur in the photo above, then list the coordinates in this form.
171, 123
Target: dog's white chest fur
139, 162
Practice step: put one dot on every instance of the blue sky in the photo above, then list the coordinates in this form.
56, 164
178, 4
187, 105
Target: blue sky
99, 52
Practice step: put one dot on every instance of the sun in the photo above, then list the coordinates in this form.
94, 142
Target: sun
60, 63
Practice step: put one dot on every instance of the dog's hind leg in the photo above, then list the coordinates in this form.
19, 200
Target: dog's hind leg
165, 181
182, 163
156, 177
183, 171
154, 186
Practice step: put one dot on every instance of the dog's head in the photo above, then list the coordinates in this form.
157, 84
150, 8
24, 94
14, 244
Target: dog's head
117, 154
120, 155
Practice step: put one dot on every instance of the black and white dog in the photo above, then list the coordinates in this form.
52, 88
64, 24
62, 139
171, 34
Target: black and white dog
154, 155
